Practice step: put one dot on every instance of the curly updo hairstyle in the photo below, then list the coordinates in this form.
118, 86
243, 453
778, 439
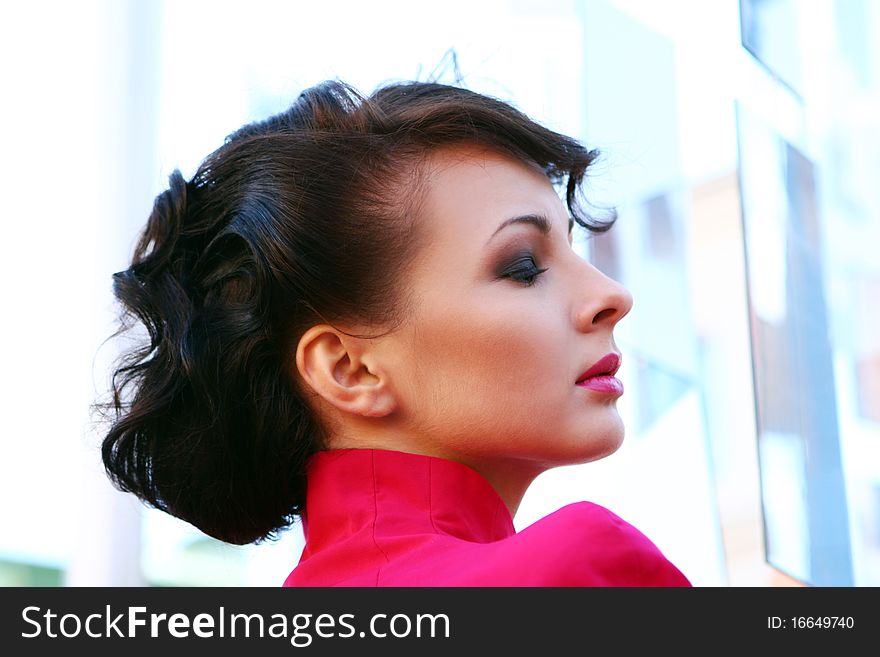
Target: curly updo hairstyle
309, 216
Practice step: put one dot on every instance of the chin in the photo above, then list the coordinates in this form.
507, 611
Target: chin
600, 443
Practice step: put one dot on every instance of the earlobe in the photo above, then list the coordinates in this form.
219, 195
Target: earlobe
335, 366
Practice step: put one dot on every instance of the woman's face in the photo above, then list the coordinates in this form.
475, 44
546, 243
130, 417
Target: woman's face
484, 368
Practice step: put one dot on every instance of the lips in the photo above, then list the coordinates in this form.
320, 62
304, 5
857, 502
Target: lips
606, 366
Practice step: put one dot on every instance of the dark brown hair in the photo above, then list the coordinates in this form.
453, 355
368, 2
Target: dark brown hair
309, 216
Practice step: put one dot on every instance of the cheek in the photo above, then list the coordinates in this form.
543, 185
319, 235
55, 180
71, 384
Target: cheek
490, 354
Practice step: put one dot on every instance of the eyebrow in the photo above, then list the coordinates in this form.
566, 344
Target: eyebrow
540, 222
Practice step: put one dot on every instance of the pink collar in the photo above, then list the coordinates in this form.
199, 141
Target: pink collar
389, 493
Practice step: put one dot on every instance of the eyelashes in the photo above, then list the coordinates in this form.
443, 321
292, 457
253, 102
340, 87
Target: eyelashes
524, 270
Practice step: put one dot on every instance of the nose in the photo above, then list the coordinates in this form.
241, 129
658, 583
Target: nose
603, 301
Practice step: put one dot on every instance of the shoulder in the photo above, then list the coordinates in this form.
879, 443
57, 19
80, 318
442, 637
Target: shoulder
585, 544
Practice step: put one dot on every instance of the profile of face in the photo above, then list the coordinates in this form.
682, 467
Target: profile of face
506, 318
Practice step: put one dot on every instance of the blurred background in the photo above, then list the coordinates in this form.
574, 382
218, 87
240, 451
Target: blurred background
741, 147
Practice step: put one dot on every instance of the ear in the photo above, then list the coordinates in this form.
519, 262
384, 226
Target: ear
338, 368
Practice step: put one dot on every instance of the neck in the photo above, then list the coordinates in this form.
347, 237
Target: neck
509, 478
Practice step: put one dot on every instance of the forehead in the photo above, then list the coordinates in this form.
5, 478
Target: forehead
473, 189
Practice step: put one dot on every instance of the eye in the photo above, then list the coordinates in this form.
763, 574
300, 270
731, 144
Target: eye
524, 270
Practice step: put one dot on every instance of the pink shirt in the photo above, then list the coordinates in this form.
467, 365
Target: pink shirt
385, 518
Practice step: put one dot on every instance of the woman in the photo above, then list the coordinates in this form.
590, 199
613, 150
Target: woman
366, 313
